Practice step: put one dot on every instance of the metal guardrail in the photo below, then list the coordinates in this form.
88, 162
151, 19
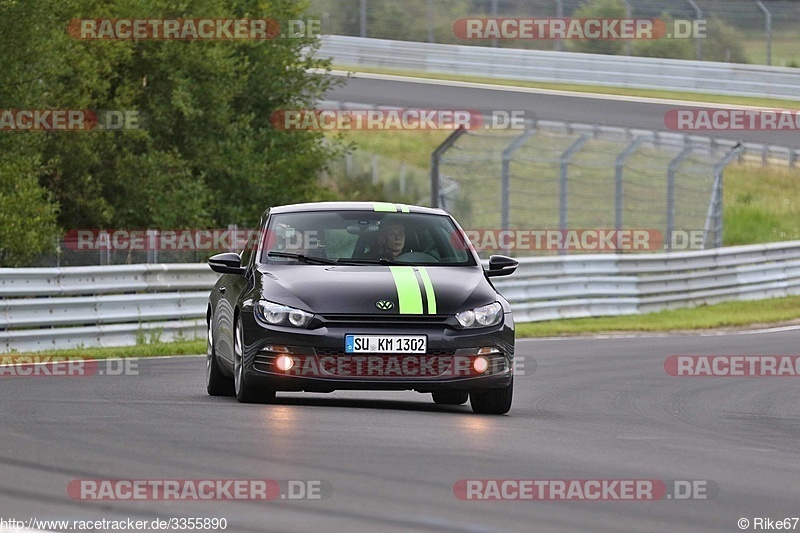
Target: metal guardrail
54, 308
547, 288
115, 306
566, 67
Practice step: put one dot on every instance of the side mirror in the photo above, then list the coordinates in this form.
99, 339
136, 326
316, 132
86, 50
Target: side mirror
500, 265
227, 263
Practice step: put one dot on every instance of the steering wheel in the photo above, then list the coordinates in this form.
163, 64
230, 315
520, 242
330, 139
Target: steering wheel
420, 257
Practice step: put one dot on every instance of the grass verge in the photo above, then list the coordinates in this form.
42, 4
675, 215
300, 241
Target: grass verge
155, 349
724, 315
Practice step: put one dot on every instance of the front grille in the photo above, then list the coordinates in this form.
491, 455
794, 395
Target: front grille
340, 351
385, 319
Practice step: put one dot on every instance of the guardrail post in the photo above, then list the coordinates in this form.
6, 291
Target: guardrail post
673, 166
505, 207
436, 157
566, 157
618, 175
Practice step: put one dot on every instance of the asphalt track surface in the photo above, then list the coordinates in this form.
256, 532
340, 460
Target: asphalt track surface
545, 105
584, 409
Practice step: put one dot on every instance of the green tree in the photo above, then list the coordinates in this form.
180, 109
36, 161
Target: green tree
665, 47
207, 155
27, 216
603, 9
724, 43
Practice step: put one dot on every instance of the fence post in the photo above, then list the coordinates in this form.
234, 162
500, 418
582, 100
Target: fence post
564, 171
505, 195
618, 183
628, 15
232, 230
673, 166
767, 29
715, 204
559, 44
430, 21
363, 18
152, 247
494, 15
698, 42
436, 157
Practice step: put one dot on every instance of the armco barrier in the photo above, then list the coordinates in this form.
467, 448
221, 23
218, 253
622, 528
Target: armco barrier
47, 308
113, 306
565, 67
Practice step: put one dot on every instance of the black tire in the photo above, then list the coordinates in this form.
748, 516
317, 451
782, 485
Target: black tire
492, 401
245, 393
217, 384
450, 397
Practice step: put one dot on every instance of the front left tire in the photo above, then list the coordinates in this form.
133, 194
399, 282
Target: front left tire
450, 397
492, 401
245, 392
217, 384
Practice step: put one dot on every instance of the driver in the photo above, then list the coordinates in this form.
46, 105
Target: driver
391, 241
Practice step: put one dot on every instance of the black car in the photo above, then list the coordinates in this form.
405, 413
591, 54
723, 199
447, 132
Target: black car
365, 296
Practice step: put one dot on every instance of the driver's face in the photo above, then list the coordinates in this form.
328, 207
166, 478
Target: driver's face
395, 239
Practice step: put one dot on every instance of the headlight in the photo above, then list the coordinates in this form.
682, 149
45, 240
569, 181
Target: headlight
481, 317
281, 315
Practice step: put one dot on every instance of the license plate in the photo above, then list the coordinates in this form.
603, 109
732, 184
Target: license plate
385, 343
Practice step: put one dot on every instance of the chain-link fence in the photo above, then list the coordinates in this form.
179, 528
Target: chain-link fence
531, 192
761, 32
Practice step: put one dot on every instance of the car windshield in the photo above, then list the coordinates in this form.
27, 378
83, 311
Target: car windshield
364, 237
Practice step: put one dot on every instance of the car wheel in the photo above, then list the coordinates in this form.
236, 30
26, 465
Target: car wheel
216, 383
450, 397
492, 401
245, 393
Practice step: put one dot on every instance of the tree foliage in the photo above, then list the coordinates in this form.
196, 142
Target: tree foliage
206, 155
599, 9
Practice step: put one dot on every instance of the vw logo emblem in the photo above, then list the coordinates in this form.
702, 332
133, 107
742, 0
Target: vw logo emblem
384, 305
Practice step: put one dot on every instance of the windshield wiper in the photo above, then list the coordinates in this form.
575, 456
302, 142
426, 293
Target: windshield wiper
303, 258
381, 261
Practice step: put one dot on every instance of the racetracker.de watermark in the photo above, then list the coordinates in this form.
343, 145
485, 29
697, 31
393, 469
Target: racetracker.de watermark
71, 120
198, 489
167, 240
60, 366
732, 365
585, 489
596, 240
578, 29
708, 119
192, 29
396, 119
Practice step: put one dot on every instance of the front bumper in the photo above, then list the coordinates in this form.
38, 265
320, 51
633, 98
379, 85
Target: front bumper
320, 363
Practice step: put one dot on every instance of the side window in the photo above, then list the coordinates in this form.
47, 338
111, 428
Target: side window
251, 242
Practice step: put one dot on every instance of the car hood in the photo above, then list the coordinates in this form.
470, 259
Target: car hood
359, 289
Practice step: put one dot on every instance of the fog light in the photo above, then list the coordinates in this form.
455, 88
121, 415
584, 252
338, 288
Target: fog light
481, 364
284, 363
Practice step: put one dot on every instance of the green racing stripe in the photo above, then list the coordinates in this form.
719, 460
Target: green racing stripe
409, 292
390, 208
384, 206
426, 280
